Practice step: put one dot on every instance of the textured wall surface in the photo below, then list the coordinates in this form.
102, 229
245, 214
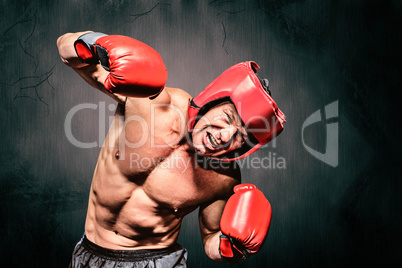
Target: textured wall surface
314, 53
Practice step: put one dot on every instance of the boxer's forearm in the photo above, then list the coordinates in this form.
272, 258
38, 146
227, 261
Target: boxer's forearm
211, 246
68, 55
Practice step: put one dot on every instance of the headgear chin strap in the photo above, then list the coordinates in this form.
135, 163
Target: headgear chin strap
258, 111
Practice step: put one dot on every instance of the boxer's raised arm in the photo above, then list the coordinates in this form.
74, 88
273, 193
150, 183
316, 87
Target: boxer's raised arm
117, 64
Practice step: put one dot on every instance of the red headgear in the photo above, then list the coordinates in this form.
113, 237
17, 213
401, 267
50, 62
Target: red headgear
258, 111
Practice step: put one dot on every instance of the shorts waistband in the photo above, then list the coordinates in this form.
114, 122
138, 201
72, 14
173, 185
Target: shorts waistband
128, 255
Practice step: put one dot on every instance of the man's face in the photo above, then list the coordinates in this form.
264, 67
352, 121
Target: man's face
219, 131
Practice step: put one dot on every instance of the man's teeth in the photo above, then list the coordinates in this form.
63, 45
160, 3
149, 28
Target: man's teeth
212, 140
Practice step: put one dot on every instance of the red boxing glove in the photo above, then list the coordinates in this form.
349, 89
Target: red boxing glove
135, 69
244, 223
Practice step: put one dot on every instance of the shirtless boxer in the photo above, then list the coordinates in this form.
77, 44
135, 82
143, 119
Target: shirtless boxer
135, 211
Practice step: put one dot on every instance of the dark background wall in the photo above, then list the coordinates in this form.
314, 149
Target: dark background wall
313, 52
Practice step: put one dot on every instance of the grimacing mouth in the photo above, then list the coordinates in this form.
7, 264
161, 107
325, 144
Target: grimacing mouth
216, 144
212, 140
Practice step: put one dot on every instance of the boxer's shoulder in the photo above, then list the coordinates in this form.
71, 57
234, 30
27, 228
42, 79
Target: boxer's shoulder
168, 96
177, 92
178, 97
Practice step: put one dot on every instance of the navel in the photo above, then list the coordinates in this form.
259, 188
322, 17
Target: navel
117, 155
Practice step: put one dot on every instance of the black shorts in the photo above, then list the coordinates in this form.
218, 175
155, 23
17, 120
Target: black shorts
88, 254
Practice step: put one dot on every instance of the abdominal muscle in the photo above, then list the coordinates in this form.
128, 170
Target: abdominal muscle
130, 223
143, 211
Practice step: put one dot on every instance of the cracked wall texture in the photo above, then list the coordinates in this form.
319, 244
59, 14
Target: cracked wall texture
313, 53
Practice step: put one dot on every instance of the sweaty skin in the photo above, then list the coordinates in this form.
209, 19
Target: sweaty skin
147, 177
